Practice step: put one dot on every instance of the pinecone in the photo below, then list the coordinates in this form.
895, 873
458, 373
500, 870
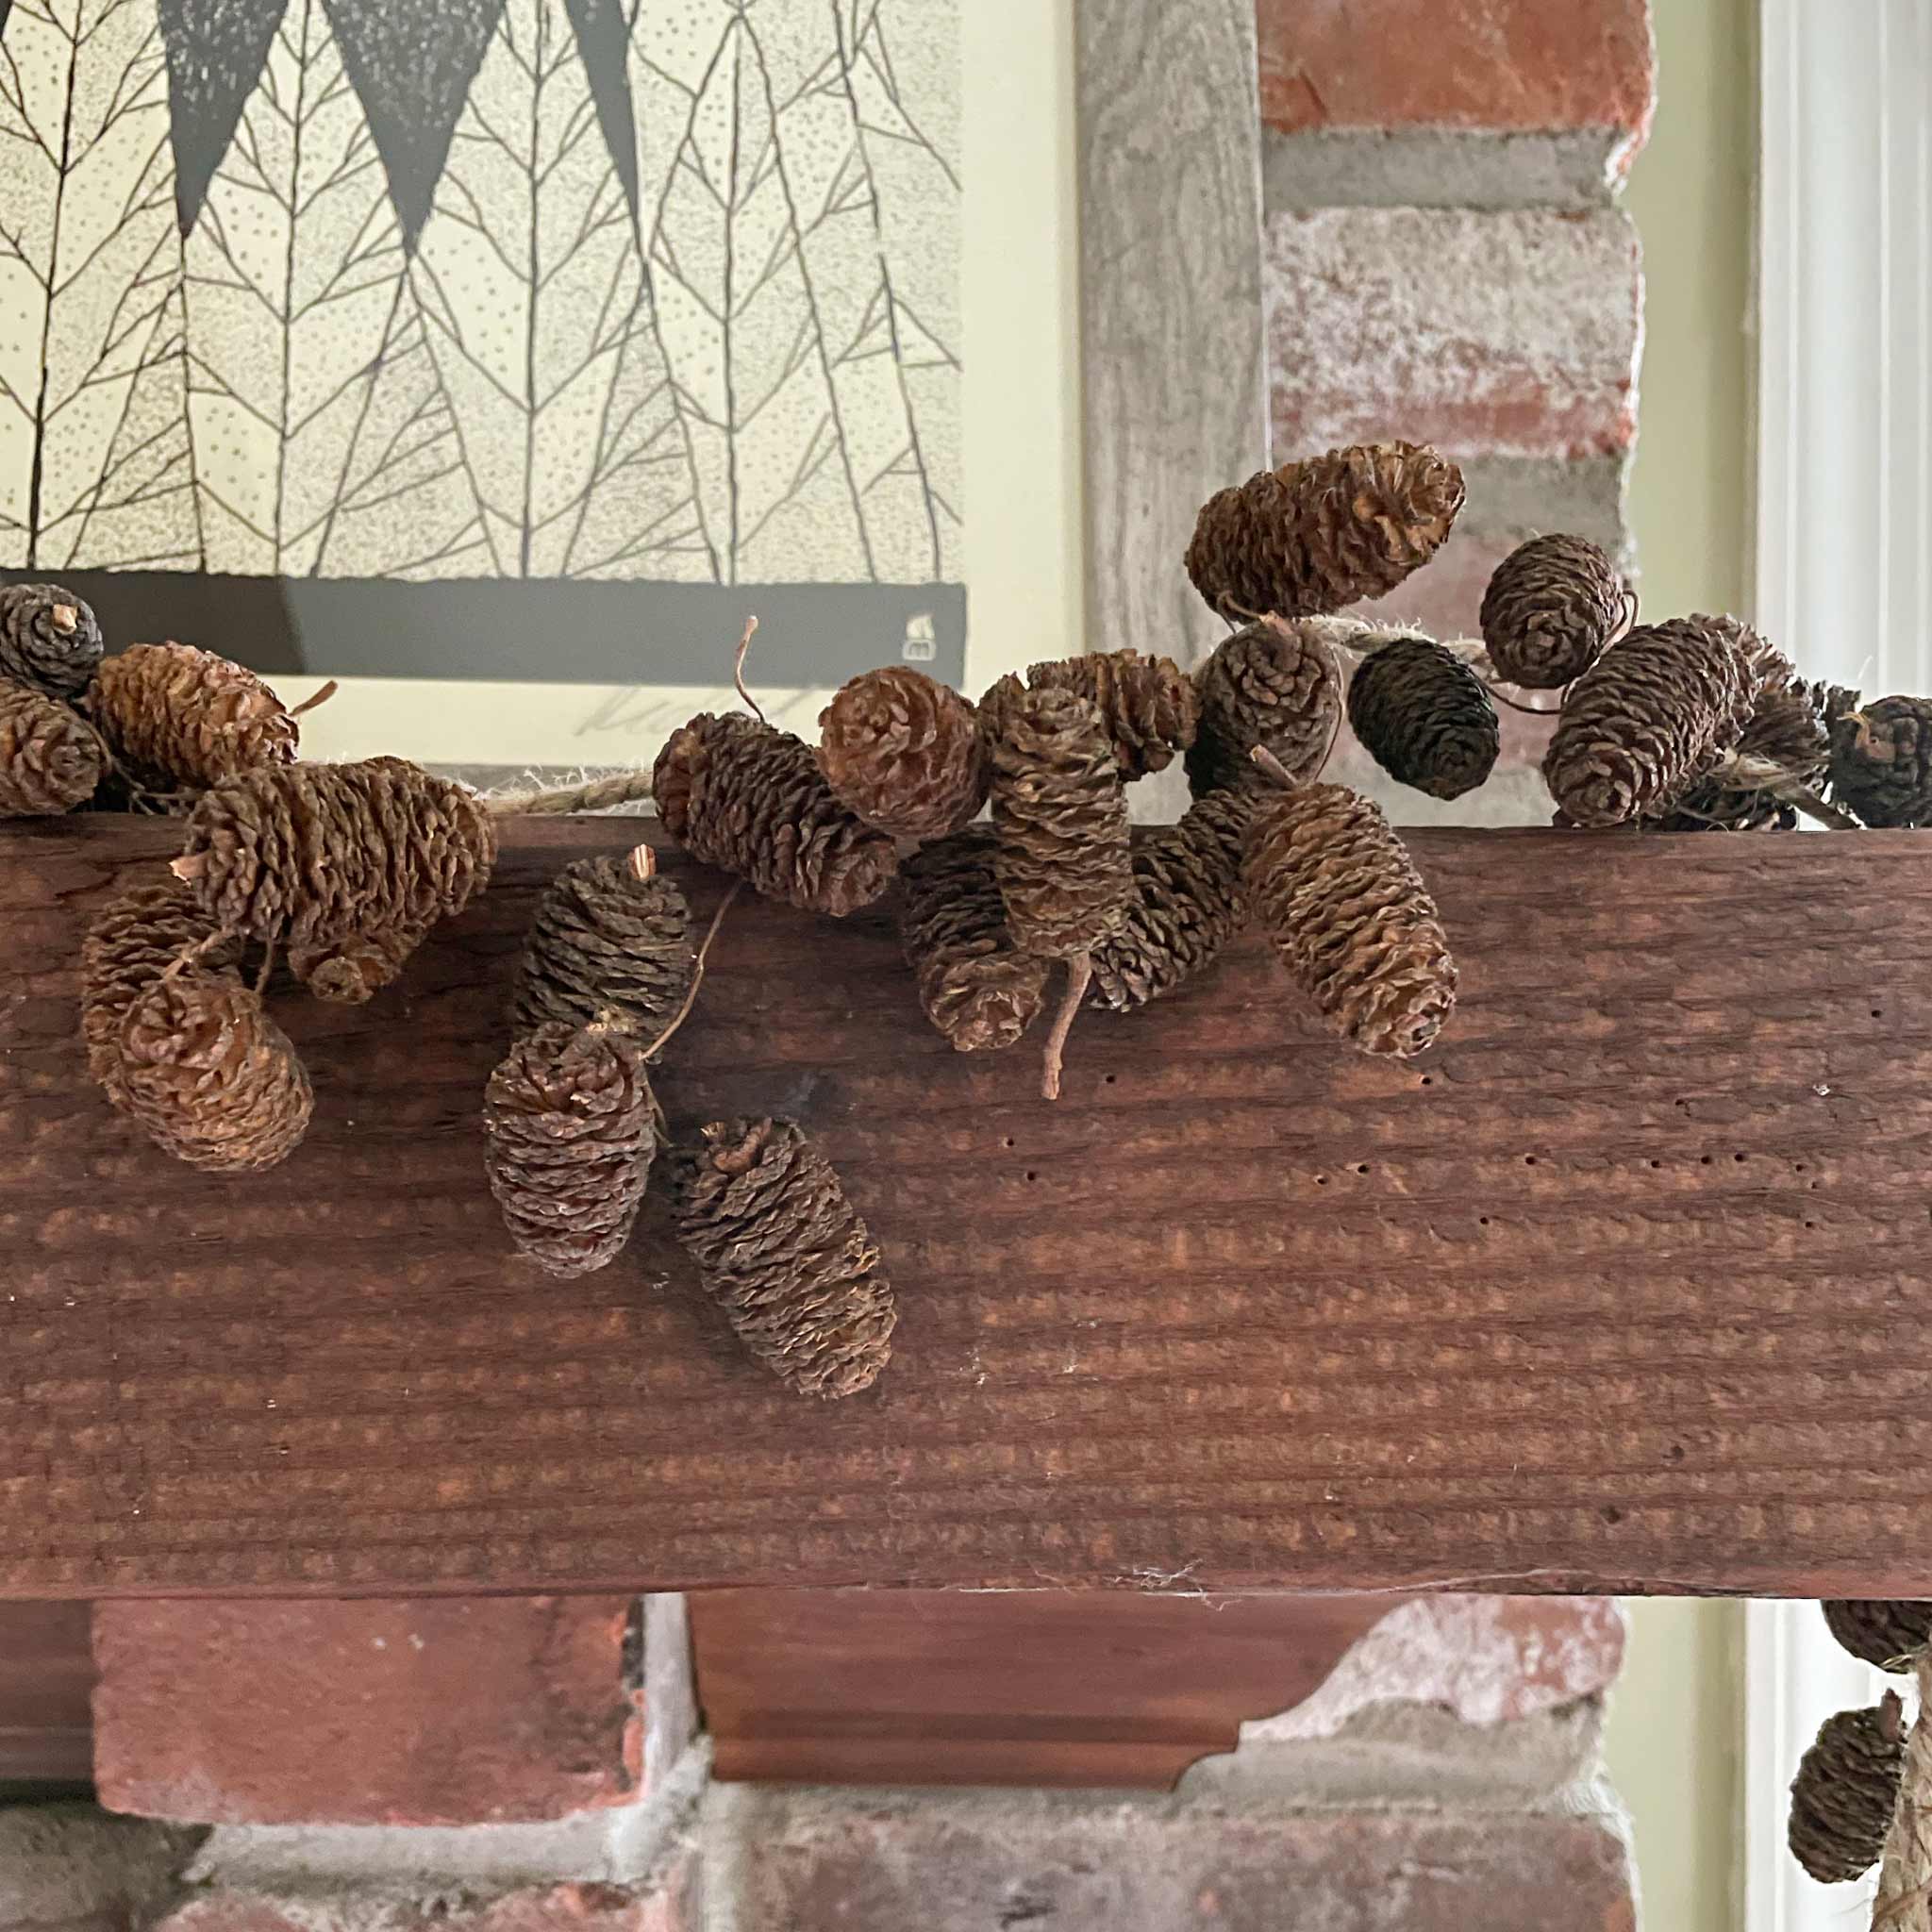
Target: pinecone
1885, 1631
977, 987
751, 800
180, 717
567, 1143
1550, 612
1652, 717
1275, 684
1881, 761
1350, 917
318, 853
1424, 717
1148, 704
779, 1248
1791, 729
213, 1080
1189, 902
904, 752
49, 640
611, 936
349, 971
50, 759
1314, 535
1844, 1792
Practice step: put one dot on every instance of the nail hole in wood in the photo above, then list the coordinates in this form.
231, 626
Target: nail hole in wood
1611, 1513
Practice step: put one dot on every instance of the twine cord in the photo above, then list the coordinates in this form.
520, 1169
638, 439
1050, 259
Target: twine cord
593, 795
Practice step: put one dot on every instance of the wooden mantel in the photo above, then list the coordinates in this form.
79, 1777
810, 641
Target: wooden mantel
1627, 1286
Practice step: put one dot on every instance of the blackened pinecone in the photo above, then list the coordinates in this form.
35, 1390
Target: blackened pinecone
1350, 917
782, 1252
567, 1143
179, 717
1845, 1790
904, 752
50, 759
1148, 704
49, 640
1881, 761
315, 852
349, 971
1424, 717
605, 940
1886, 1631
1276, 685
1315, 536
1651, 718
751, 800
1059, 813
1551, 610
213, 1080
1790, 729
1189, 903
977, 987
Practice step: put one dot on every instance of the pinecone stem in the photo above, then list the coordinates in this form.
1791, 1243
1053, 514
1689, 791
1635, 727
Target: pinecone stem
1079, 976
697, 974
1904, 1901
743, 651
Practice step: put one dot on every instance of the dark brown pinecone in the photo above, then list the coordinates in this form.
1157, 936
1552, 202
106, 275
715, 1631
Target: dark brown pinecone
1888, 1632
1276, 685
49, 638
318, 853
1148, 704
132, 941
1315, 536
213, 1080
1651, 718
1790, 728
346, 972
1424, 717
567, 1143
1356, 927
50, 759
904, 752
1551, 610
977, 987
1189, 903
782, 1252
611, 936
749, 799
179, 717
1881, 761
1845, 1790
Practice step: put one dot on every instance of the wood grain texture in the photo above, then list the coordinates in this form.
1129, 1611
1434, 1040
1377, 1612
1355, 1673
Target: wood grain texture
47, 1686
1624, 1286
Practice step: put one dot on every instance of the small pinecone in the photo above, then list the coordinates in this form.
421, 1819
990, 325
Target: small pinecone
606, 938
1423, 716
1148, 704
567, 1143
1551, 610
1189, 903
317, 853
1652, 717
1881, 761
213, 1080
782, 1252
349, 971
1845, 1790
1792, 728
1888, 1632
49, 640
1062, 857
183, 717
904, 752
50, 761
1349, 915
1275, 684
1317, 535
977, 987
751, 800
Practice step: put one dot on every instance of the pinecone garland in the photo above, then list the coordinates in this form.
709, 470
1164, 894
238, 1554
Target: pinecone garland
1424, 717
1350, 917
1844, 1792
1884, 1631
781, 1250
50, 759
1315, 536
1148, 704
1881, 761
1790, 729
749, 799
180, 717
347, 971
1552, 607
977, 987
567, 1143
49, 640
1276, 685
904, 752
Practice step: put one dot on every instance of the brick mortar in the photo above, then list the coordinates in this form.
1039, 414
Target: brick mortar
1442, 167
